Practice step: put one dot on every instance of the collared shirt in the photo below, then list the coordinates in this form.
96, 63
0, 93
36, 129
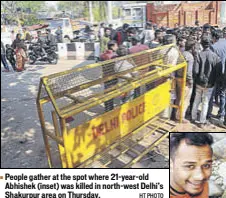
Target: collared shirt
204, 194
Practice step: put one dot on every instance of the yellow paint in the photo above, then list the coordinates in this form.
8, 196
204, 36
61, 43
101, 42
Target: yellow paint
86, 140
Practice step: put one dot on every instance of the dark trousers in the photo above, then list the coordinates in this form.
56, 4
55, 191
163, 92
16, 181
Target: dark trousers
12, 62
4, 62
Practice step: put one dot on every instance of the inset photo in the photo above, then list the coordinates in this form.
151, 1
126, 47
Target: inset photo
197, 165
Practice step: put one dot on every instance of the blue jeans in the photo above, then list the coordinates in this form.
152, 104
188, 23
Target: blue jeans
202, 95
4, 62
222, 109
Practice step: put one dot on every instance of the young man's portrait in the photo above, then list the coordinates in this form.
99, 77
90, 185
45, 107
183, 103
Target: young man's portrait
191, 158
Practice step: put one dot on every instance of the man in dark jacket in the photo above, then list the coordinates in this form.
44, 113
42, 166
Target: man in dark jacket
206, 70
219, 47
121, 35
3, 58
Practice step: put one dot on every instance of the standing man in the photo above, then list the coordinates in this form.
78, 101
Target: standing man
26, 35
147, 35
3, 58
189, 48
158, 41
206, 71
101, 31
219, 47
121, 35
108, 69
59, 35
190, 164
104, 40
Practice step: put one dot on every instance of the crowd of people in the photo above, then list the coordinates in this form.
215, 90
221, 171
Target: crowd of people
16, 53
204, 49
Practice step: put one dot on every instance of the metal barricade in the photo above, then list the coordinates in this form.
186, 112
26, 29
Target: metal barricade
91, 112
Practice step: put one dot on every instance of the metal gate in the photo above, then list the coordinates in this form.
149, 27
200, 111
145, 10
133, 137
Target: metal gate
85, 128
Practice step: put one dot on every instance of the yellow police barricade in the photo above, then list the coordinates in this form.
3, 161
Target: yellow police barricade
90, 118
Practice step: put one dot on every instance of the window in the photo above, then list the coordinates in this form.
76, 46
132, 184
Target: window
127, 12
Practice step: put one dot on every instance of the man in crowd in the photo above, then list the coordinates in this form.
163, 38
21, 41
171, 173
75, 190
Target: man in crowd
101, 31
206, 71
188, 55
104, 40
219, 47
190, 165
59, 35
110, 53
121, 35
3, 58
137, 47
158, 41
26, 35
147, 35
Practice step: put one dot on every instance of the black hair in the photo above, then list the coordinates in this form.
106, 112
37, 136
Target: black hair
107, 28
169, 39
125, 26
131, 30
206, 41
217, 34
122, 50
111, 43
189, 44
197, 139
157, 32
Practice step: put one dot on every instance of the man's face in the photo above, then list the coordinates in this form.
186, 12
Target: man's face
182, 43
108, 32
191, 168
115, 47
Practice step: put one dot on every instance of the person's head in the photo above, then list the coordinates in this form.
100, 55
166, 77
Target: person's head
102, 25
7, 46
135, 40
216, 35
48, 31
125, 26
149, 26
12, 31
207, 28
181, 42
24, 29
39, 33
122, 50
112, 45
159, 36
190, 45
224, 32
110, 26
197, 23
59, 27
107, 32
190, 161
169, 39
131, 31
18, 36
205, 41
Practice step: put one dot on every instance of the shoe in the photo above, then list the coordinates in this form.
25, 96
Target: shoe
193, 121
201, 125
